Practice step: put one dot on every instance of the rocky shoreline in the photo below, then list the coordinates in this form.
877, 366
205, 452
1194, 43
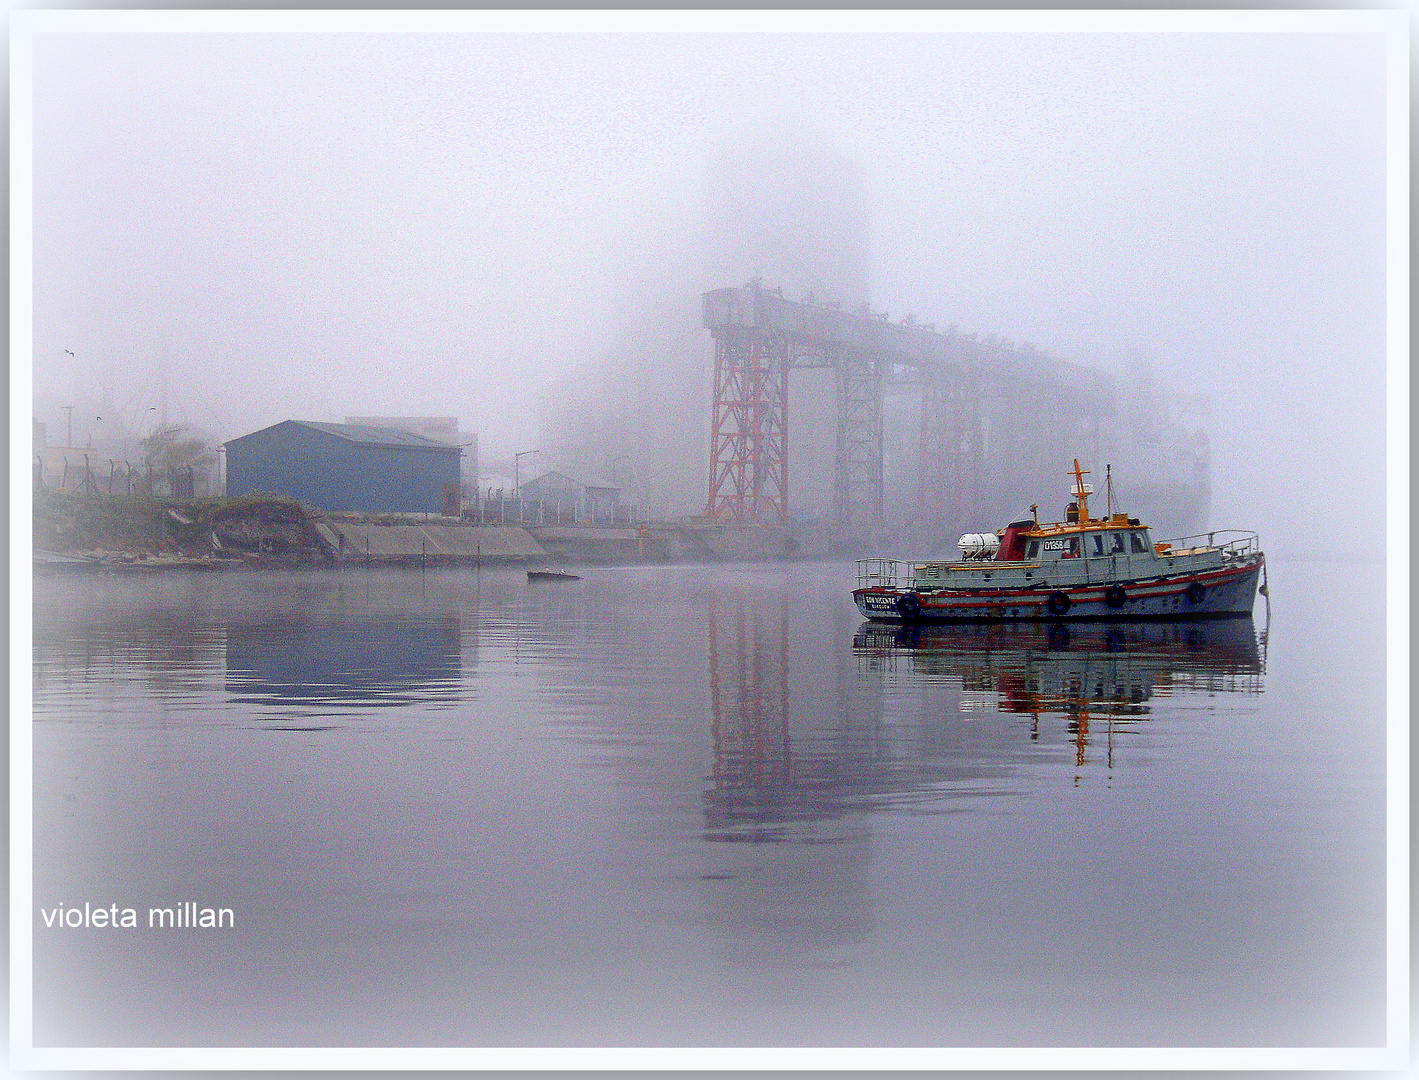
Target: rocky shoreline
141, 533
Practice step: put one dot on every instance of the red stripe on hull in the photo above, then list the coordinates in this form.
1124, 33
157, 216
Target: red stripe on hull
934, 603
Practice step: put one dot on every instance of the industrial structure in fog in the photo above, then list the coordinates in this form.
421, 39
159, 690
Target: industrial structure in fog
637, 416
995, 422
814, 412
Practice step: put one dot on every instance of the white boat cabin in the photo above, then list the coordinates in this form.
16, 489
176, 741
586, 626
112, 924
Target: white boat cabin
1092, 567
1081, 550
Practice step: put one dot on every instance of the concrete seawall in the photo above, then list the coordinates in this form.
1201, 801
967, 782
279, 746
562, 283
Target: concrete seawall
456, 542
438, 542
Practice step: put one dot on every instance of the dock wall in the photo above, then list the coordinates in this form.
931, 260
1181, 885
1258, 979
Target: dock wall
452, 542
438, 542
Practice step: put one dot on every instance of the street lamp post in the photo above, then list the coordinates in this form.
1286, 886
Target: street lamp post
612, 509
517, 479
69, 410
462, 482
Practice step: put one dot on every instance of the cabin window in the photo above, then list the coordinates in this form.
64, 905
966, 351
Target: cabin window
1098, 539
1116, 543
1073, 548
1033, 550
1139, 546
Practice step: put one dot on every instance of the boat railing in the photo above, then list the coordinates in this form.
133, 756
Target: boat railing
1233, 543
878, 573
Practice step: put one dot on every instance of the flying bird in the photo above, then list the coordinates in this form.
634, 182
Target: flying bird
70, 352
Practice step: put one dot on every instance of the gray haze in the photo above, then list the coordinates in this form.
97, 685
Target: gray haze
237, 229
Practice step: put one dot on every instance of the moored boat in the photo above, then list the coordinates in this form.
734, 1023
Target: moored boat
551, 575
1081, 568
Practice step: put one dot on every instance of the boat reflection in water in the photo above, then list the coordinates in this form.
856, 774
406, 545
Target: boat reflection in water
1092, 674
814, 750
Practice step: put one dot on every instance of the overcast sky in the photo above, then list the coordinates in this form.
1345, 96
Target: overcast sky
318, 225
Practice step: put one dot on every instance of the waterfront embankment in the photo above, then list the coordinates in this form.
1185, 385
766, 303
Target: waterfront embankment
139, 532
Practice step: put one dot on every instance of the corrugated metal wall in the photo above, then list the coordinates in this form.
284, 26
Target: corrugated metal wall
331, 473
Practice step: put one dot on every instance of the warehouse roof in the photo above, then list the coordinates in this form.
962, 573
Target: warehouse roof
363, 433
559, 481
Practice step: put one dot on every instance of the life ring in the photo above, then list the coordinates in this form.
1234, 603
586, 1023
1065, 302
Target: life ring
1114, 596
1195, 592
1058, 603
909, 605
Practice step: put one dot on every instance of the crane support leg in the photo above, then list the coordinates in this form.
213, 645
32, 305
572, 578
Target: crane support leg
951, 444
857, 492
749, 432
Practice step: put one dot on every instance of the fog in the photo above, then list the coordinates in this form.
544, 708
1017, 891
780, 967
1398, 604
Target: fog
235, 229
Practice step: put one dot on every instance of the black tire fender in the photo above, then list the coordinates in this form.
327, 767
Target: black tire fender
909, 605
1114, 596
1058, 603
1196, 592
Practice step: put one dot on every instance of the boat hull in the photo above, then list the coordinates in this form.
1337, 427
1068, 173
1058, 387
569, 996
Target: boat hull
1219, 593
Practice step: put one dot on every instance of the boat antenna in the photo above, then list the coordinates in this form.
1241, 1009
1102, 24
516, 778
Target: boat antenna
1109, 486
1035, 511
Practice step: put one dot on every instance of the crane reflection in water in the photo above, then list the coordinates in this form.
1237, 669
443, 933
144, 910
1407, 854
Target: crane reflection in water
809, 748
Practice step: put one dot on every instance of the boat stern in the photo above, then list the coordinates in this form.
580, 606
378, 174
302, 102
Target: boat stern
878, 603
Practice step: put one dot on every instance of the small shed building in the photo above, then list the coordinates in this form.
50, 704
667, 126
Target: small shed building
349, 467
585, 502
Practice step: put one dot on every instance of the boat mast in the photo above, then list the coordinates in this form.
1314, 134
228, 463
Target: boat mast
1079, 493
1109, 487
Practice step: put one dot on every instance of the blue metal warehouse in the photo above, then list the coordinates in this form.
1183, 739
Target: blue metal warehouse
346, 467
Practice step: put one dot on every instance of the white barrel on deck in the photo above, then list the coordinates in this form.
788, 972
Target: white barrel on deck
976, 545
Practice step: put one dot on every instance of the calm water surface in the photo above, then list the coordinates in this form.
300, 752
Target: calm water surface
702, 806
